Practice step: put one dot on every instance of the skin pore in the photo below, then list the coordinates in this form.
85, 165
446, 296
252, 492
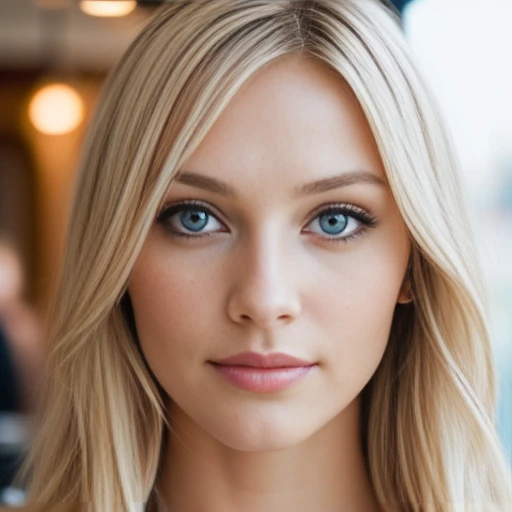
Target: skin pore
266, 278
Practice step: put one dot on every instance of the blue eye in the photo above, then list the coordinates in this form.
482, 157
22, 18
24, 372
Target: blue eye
189, 216
333, 223
341, 223
195, 220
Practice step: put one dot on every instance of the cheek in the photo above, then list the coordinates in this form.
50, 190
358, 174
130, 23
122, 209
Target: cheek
358, 305
173, 311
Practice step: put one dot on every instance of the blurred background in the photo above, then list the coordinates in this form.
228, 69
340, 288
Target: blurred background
54, 57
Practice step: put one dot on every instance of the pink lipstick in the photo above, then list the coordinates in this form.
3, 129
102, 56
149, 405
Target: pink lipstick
262, 373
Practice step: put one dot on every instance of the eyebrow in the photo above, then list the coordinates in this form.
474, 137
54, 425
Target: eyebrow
222, 188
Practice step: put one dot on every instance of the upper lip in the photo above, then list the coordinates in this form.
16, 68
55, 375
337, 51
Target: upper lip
276, 360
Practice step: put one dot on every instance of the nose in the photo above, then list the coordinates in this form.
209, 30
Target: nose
264, 289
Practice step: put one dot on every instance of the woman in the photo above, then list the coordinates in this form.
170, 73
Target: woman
270, 298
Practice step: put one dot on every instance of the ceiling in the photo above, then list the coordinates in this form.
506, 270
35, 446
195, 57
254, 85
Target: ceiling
31, 37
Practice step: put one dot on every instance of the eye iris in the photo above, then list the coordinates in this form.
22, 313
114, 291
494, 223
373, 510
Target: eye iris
333, 223
194, 220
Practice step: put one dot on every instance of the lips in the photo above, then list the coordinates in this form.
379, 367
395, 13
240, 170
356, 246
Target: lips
255, 360
262, 373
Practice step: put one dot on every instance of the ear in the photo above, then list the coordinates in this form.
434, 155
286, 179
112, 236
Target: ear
405, 296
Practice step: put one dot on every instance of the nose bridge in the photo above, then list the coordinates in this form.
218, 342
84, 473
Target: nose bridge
264, 249
263, 289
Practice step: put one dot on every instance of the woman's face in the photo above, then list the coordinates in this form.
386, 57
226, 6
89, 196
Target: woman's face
293, 243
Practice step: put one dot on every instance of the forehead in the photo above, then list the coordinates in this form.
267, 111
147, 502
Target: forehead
294, 121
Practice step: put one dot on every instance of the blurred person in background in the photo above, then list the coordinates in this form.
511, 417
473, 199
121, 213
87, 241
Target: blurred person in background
141, 407
21, 355
21, 347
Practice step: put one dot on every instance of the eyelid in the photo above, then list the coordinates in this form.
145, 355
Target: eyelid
351, 209
189, 202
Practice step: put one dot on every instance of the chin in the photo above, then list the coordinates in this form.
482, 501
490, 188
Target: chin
261, 433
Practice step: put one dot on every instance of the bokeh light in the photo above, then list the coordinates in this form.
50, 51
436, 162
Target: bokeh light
106, 8
56, 109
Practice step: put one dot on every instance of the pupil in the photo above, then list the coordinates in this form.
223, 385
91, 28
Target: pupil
334, 224
194, 220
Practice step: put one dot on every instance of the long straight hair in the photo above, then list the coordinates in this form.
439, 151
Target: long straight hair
428, 413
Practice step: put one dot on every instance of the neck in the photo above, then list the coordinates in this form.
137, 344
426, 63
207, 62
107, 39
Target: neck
326, 472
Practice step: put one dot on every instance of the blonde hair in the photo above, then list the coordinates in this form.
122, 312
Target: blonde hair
429, 411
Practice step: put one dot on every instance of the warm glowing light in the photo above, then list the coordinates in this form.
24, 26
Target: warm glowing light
106, 8
56, 109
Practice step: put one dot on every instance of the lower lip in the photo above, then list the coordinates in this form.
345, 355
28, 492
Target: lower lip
262, 380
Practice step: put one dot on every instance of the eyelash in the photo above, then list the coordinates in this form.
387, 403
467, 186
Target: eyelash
349, 210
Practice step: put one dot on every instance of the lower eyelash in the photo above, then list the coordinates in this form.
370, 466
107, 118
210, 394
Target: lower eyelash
347, 238
186, 235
